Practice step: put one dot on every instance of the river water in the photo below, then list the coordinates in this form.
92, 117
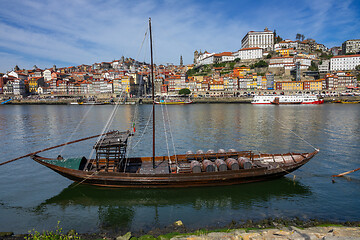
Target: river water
32, 196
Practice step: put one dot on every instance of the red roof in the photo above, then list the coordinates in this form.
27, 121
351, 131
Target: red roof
343, 56
252, 48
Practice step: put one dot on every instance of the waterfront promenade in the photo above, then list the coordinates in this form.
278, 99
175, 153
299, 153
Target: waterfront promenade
105, 100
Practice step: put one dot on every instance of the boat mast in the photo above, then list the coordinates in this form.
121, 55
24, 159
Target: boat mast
153, 95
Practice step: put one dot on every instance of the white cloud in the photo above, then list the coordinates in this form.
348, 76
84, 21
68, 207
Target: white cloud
77, 32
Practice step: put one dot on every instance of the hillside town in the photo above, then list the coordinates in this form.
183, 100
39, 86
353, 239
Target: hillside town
265, 63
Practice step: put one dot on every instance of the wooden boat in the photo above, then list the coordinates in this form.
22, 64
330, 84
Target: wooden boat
111, 167
6, 101
350, 102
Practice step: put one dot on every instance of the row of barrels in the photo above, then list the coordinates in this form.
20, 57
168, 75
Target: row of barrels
220, 165
211, 151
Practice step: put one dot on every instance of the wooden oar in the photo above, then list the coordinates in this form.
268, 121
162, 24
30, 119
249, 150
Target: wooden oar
46, 149
342, 174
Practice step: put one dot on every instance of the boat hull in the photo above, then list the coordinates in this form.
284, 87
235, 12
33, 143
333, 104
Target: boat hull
286, 99
176, 180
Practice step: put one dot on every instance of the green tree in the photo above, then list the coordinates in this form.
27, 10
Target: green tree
259, 64
357, 67
313, 67
184, 91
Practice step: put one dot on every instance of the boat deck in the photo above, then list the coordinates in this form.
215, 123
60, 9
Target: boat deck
162, 165
160, 168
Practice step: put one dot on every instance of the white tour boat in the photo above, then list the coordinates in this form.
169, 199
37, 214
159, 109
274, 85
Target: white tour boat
286, 99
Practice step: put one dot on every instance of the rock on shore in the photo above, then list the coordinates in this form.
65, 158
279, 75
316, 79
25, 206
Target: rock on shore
325, 233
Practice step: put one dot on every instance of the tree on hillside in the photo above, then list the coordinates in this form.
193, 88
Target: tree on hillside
300, 36
313, 66
259, 64
184, 91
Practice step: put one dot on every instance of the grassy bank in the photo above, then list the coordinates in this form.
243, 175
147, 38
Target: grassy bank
180, 231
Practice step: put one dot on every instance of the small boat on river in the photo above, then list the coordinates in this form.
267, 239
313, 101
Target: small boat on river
173, 101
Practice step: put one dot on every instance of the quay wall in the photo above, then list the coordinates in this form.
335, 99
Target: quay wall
202, 100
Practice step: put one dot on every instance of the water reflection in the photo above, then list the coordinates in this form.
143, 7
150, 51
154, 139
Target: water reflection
118, 208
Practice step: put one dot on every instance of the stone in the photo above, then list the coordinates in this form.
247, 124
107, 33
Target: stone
251, 236
6, 234
71, 232
218, 235
178, 223
127, 236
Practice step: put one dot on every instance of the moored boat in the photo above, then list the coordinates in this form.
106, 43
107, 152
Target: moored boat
111, 168
286, 99
350, 102
170, 101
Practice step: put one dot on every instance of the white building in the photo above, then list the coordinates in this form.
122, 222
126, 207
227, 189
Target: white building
264, 40
249, 53
324, 67
216, 58
224, 57
344, 62
47, 75
287, 43
303, 61
203, 58
351, 46
289, 62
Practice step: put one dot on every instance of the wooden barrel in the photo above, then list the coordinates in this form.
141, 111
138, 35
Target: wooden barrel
199, 152
221, 150
232, 164
244, 163
195, 167
191, 157
221, 165
208, 166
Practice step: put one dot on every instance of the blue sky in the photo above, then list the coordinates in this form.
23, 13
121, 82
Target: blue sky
74, 32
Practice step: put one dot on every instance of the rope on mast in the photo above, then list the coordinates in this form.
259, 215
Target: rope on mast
171, 135
166, 139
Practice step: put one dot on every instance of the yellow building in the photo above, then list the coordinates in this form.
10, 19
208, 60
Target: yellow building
292, 85
217, 86
127, 84
198, 78
313, 85
35, 83
263, 82
285, 51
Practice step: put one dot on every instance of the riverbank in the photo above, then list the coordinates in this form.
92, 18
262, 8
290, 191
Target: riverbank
265, 229
203, 100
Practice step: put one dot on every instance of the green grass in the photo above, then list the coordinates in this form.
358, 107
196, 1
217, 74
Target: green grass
52, 235
330, 225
